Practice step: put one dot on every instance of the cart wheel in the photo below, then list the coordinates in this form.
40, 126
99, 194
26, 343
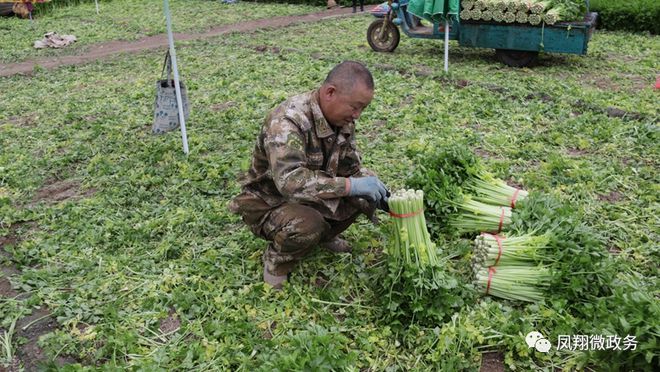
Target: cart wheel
516, 58
390, 37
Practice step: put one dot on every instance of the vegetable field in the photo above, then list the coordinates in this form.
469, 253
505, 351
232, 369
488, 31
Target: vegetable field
129, 246
125, 20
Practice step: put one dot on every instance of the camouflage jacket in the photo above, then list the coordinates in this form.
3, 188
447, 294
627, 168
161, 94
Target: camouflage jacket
300, 158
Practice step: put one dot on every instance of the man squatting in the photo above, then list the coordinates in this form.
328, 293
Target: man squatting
306, 184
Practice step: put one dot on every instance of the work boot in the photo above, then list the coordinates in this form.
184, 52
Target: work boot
337, 245
332, 4
276, 281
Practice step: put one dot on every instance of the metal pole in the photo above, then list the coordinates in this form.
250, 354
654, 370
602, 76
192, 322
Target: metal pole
177, 87
446, 44
97, 6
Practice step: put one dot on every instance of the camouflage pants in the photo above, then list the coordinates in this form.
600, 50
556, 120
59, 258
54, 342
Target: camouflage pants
293, 230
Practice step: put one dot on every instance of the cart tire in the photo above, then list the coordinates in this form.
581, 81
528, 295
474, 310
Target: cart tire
516, 58
390, 39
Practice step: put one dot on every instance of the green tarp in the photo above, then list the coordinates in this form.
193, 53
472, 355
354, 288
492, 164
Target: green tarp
434, 10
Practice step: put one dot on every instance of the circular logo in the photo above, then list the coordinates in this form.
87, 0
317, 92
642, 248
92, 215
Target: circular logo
542, 345
536, 340
532, 337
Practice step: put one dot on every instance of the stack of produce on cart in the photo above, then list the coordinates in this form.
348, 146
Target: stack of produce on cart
532, 12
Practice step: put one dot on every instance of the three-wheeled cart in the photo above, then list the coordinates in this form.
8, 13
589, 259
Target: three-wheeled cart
515, 44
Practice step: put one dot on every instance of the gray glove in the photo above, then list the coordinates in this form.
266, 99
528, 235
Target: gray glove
370, 188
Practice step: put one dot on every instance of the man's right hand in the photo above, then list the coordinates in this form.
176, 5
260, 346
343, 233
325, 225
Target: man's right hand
370, 188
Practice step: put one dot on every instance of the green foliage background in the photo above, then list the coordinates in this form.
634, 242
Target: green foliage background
631, 15
151, 236
59, 3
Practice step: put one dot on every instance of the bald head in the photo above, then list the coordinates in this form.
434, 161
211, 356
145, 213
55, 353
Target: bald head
345, 93
346, 75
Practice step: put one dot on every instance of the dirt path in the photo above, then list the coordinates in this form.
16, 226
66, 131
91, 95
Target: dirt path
108, 49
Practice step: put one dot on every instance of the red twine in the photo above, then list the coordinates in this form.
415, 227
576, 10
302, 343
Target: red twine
499, 228
405, 215
491, 271
514, 197
500, 248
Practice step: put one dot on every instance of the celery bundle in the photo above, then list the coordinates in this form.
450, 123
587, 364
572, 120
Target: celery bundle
522, 17
517, 283
559, 10
486, 15
513, 267
522, 6
499, 5
474, 216
419, 285
494, 191
554, 15
566, 261
510, 5
491, 250
461, 196
539, 7
534, 19
481, 4
411, 240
